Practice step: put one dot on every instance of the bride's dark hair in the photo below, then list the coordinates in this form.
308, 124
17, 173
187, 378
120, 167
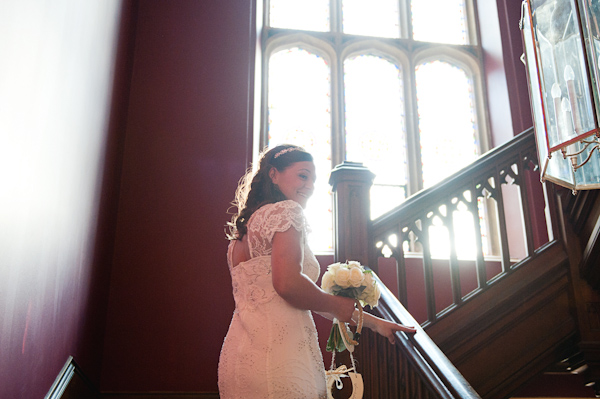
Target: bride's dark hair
256, 189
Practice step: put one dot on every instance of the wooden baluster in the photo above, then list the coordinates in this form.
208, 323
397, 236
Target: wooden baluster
428, 270
453, 261
401, 269
523, 183
504, 251
479, 260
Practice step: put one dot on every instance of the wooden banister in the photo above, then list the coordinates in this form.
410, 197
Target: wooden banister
423, 356
425, 371
417, 367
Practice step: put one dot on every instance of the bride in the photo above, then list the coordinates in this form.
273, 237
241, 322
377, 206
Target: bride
271, 349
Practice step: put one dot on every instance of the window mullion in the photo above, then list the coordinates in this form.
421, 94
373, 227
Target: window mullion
338, 143
413, 146
264, 98
335, 15
474, 34
265, 15
405, 20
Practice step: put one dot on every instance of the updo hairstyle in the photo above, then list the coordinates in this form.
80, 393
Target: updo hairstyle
257, 189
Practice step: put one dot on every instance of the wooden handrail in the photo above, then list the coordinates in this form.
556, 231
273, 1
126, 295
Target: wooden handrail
523, 143
441, 377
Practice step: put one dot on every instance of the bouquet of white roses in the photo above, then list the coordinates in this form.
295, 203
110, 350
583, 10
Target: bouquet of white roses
349, 280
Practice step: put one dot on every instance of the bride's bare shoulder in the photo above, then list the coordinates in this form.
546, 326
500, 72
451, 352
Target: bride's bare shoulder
240, 252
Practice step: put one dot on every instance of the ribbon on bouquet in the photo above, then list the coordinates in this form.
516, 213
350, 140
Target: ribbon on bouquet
350, 342
359, 326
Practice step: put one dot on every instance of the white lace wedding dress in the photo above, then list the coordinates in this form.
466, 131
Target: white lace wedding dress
271, 349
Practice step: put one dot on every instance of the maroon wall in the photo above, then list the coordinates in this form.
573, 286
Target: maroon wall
185, 149
505, 74
56, 130
509, 15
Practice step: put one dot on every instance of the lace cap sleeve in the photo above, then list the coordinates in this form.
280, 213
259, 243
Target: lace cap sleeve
270, 219
281, 216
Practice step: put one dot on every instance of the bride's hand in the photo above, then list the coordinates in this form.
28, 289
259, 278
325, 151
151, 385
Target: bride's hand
343, 308
388, 328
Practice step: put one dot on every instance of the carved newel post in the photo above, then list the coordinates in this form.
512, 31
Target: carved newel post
351, 182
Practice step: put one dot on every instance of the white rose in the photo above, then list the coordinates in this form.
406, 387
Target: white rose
354, 264
341, 277
333, 268
327, 282
356, 277
373, 299
371, 293
368, 280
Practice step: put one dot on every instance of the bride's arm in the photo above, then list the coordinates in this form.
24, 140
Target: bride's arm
294, 286
300, 291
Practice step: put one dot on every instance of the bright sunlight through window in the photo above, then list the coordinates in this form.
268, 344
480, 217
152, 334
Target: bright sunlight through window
305, 14
375, 132
444, 117
440, 21
339, 80
304, 118
371, 18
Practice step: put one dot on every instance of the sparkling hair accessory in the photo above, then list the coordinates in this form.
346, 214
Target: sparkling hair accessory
289, 149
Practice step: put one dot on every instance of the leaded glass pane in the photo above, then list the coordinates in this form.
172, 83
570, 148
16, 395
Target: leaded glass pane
299, 113
439, 21
447, 123
310, 15
371, 18
375, 133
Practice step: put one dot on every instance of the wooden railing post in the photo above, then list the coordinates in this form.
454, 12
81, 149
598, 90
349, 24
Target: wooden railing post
351, 182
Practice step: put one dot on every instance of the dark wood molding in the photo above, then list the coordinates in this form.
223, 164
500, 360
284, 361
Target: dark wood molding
590, 261
578, 207
501, 337
71, 383
582, 211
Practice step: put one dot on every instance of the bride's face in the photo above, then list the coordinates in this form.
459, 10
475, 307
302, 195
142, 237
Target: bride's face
296, 182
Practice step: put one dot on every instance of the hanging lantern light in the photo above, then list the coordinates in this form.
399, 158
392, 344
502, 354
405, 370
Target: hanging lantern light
561, 39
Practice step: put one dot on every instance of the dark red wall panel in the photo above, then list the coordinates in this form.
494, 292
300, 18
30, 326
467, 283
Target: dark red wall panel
185, 149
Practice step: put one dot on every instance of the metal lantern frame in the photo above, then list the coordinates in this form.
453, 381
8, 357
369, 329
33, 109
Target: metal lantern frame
561, 40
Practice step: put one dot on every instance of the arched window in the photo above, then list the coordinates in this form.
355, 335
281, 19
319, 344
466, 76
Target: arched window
394, 84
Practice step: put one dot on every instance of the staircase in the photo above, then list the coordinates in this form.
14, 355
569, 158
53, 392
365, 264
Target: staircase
490, 321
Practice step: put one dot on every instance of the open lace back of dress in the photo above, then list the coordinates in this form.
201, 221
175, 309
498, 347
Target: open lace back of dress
240, 252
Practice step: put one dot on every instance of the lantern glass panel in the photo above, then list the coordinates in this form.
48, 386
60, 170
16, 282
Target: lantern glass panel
559, 171
535, 93
565, 84
590, 18
588, 176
